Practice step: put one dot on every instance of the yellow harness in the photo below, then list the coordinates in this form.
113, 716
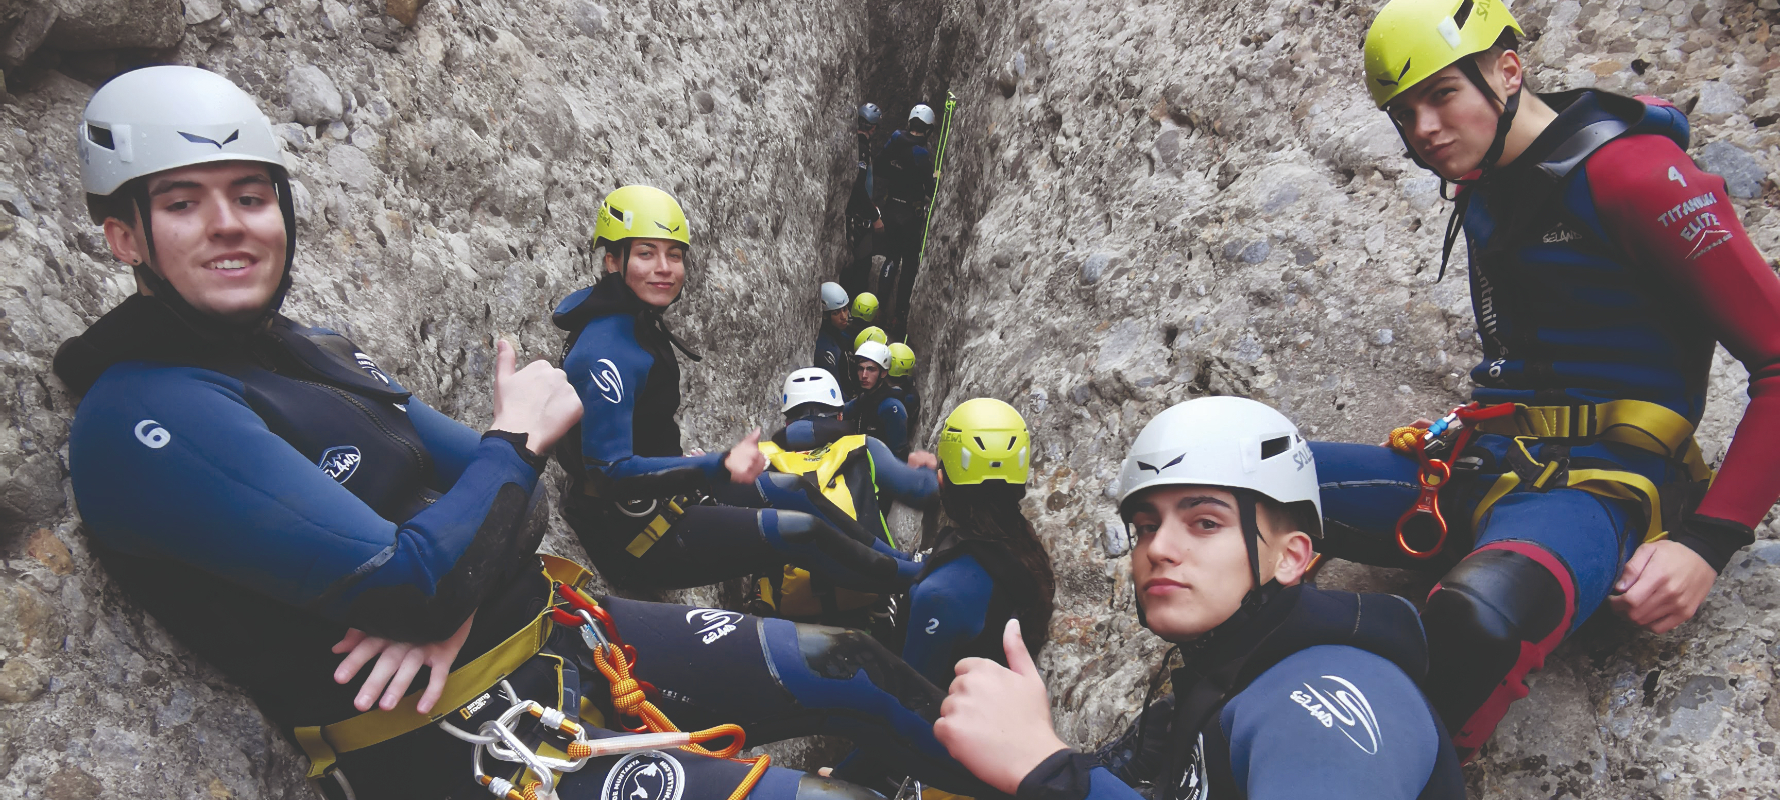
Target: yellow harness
1646, 426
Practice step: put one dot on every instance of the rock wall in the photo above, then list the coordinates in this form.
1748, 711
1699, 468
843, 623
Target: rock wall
1144, 202
447, 177
1149, 202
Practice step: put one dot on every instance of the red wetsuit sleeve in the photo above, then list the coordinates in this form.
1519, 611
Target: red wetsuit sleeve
1678, 221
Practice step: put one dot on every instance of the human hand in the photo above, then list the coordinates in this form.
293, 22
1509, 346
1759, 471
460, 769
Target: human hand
877, 225
397, 664
922, 458
997, 720
536, 401
745, 462
1662, 586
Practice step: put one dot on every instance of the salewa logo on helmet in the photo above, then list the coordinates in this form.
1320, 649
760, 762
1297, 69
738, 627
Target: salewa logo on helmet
608, 381
1349, 708
717, 623
675, 229
340, 462
1387, 80
1158, 470
196, 139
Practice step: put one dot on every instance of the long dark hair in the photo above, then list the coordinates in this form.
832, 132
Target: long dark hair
990, 513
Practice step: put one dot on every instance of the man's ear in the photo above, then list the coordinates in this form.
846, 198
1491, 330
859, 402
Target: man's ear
1512, 71
125, 242
1295, 554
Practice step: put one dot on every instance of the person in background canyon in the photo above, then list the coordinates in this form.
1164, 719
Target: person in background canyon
834, 336
1287, 691
276, 499
1604, 267
905, 168
865, 223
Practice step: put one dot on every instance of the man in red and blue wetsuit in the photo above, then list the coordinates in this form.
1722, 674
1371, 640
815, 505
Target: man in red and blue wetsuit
1604, 268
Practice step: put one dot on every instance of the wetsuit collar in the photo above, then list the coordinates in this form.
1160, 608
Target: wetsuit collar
613, 296
810, 433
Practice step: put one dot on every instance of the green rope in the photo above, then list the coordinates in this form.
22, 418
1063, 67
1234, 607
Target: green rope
939, 160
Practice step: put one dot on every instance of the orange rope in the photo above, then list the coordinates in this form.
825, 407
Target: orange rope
628, 698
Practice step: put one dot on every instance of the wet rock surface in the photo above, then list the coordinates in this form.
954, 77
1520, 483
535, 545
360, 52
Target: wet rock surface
1142, 204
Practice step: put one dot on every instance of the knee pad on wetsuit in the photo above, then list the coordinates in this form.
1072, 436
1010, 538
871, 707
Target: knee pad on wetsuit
1490, 622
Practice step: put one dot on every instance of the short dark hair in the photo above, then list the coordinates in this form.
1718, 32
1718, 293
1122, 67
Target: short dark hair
1299, 516
119, 205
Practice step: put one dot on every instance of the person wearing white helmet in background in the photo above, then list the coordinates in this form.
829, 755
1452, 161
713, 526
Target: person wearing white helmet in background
874, 411
821, 466
1288, 691
905, 170
832, 341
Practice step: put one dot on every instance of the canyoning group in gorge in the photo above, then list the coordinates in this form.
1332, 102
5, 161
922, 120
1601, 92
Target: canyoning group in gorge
369, 569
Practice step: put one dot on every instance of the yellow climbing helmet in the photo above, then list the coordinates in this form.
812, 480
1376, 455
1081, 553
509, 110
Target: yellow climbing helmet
865, 306
902, 359
638, 211
1412, 39
871, 334
985, 440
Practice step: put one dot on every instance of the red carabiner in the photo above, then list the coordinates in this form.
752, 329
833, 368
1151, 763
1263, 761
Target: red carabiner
1425, 514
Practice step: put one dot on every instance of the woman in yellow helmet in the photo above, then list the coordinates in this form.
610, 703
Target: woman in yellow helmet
987, 564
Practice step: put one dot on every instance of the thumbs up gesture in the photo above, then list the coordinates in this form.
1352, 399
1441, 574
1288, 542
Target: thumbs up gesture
745, 462
536, 400
997, 720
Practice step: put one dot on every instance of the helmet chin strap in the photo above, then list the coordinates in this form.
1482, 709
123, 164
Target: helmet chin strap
1486, 168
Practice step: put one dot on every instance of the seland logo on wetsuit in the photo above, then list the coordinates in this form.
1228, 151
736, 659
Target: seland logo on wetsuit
1194, 783
645, 775
1342, 703
715, 623
340, 462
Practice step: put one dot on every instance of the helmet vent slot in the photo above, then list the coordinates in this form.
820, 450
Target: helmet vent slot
1273, 447
100, 137
1464, 13
980, 445
1011, 440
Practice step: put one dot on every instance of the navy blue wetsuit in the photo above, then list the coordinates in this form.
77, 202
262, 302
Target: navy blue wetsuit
905, 167
834, 352
260, 493
1604, 267
645, 511
1311, 695
879, 414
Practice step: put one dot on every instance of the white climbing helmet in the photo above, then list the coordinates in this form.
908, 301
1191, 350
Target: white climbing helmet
160, 118
923, 113
1227, 442
875, 352
811, 385
834, 298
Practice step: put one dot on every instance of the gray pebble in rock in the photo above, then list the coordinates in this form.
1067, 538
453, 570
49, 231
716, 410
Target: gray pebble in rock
314, 99
1115, 539
706, 103
1094, 267
252, 6
1256, 252
1168, 147
1383, 337
198, 12
1741, 172
1081, 394
353, 167
590, 19
1716, 98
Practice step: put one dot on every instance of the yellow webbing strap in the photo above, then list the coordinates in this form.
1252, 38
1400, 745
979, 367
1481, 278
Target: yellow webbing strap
324, 743
1634, 423
656, 528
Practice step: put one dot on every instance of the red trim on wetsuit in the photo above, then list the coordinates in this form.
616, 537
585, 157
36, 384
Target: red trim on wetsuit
1477, 730
1677, 220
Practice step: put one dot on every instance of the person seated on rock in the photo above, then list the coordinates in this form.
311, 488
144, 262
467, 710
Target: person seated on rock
863, 314
832, 353
985, 564
874, 411
902, 381
1287, 691
649, 515
1604, 267
819, 465
275, 499
864, 220
905, 172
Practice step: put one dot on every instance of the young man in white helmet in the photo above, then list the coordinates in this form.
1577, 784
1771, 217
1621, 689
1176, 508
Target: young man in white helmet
276, 500
906, 168
1287, 691
832, 352
874, 411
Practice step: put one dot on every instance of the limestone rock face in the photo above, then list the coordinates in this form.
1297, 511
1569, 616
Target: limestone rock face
1169, 200
1143, 202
